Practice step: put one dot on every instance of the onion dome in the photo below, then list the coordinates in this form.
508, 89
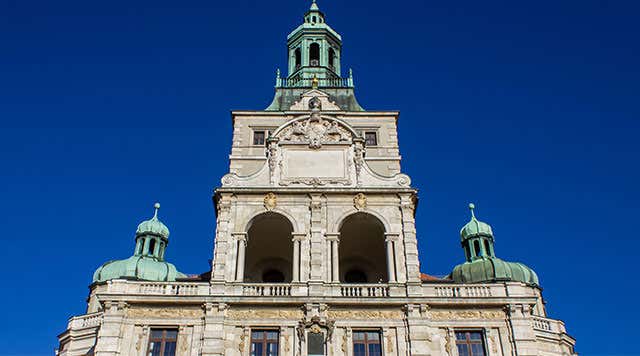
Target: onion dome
153, 226
475, 227
147, 262
482, 266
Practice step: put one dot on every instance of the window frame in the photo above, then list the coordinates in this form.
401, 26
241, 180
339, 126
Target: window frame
162, 340
365, 133
264, 341
468, 341
366, 342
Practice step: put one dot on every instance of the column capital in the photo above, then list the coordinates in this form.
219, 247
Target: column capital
332, 236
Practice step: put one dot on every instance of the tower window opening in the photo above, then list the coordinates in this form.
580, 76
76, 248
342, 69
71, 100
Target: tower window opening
370, 138
298, 57
140, 246
313, 19
487, 248
476, 247
314, 55
332, 55
152, 246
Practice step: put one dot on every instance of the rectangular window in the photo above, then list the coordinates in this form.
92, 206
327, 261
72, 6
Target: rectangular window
259, 138
470, 343
264, 343
367, 343
162, 342
371, 138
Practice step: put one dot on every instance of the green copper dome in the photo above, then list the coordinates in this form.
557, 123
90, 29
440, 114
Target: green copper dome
153, 226
475, 227
493, 269
482, 265
147, 263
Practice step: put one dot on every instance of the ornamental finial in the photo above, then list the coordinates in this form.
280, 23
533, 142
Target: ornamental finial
157, 207
314, 6
472, 207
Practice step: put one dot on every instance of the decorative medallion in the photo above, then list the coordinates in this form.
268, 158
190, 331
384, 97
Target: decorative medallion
270, 201
360, 201
315, 131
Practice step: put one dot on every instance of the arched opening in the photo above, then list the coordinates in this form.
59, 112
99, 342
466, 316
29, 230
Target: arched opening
298, 57
476, 247
269, 251
332, 56
314, 55
487, 248
362, 250
152, 247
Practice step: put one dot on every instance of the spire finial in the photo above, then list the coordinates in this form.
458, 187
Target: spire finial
472, 207
157, 207
314, 6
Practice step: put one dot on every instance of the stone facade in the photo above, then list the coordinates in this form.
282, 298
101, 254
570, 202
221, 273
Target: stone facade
315, 240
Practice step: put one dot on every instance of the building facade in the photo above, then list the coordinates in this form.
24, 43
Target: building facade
316, 249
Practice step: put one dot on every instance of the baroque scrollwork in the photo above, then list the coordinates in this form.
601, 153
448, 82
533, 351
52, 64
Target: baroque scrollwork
315, 131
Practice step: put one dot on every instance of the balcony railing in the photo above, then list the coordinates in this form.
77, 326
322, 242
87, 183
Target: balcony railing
267, 290
85, 321
308, 83
363, 291
548, 325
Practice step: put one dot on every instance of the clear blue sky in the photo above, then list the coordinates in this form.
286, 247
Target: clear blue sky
528, 109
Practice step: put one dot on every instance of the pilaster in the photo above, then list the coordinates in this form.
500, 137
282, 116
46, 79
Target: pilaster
110, 335
213, 336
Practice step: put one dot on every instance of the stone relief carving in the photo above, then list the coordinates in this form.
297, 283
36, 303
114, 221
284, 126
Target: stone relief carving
164, 313
264, 314
360, 201
315, 131
466, 314
365, 314
270, 201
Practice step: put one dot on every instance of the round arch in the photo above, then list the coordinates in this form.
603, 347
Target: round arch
362, 249
269, 249
342, 218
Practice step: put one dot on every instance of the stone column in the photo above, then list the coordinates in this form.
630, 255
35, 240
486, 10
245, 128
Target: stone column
391, 263
242, 247
296, 258
334, 257
109, 335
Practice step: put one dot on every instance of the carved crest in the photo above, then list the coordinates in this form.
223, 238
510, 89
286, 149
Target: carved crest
270, 201
360, 201
315, 131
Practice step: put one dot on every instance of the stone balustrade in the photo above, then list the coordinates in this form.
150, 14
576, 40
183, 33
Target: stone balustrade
435, 290
548, 325
85, 321
266, 290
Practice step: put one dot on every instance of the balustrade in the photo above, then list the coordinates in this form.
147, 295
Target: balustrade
85, 321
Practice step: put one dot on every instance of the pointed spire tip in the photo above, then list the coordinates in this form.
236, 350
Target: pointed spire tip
472, 207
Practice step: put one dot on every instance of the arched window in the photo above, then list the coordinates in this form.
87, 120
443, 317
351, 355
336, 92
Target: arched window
487, 248
314, 55
152, 246
476, 247
332, 56
298, 57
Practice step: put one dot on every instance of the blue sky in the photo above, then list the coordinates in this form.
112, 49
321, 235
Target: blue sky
528, 109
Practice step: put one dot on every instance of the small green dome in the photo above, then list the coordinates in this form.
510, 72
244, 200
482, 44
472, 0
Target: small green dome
137, 267
147, 262
493, 269
475, 227
153, 226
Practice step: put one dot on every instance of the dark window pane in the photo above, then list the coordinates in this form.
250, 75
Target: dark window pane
461, 336
475, 335
359, 350
172, 334
374, 350
256, 349
170, 349
156, 334
358, 336
272, 349
463, 350
258, 137
370, 138
477, 350
256, 335
154, 348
